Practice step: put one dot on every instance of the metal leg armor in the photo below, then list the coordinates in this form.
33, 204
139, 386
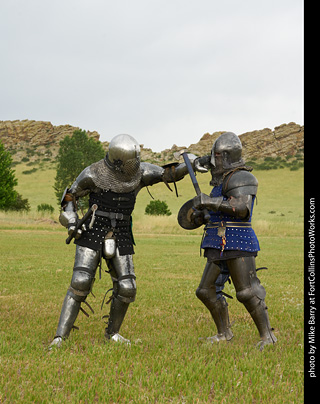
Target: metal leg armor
124, 292
252, 294
222, 278
86, 262
218, 308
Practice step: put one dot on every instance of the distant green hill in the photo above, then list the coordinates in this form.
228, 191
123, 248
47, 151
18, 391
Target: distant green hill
279, 208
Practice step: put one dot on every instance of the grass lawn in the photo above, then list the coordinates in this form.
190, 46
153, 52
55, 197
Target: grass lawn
166, 362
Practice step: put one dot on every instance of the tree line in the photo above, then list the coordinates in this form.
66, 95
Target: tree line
75, 154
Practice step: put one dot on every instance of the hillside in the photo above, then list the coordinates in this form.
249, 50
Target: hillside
33, 141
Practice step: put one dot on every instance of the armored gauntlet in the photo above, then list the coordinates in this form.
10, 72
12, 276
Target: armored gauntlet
68, 215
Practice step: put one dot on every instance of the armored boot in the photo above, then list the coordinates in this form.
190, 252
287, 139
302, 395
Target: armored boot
220, 315
259, 313
219, 312
69, 312
218, 307
117, 313
252, 294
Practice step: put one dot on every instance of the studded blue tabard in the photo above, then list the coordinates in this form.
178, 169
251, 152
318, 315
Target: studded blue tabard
227, 233
114, 213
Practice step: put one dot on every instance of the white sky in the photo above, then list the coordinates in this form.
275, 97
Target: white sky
163, 71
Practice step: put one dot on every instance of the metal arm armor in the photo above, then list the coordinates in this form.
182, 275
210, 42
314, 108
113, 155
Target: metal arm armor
81, 187
151, 174
172, 172
83, 184
68, 212
239, 186
239, 207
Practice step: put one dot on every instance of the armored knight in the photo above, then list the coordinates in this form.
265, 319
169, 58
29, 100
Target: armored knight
112, 185
230, 243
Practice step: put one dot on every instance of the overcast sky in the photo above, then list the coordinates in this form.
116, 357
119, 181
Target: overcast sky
163, 71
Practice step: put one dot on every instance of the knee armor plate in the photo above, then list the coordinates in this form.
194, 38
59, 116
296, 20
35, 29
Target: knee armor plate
81, 283
126, 288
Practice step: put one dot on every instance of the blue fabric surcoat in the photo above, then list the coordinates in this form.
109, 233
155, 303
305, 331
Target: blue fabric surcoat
239, 235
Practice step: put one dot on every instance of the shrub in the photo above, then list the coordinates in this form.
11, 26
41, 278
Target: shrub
33, 170
19, 204
274, 163
45, 208
157, 208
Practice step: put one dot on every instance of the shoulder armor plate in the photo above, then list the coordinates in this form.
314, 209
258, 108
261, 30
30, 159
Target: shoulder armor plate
240, 182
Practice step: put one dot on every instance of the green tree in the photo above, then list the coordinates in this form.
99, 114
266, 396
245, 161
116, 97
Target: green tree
7, 179
157, 208
75, 154
20, 204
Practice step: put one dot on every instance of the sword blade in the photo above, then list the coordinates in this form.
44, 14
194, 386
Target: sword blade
191, 173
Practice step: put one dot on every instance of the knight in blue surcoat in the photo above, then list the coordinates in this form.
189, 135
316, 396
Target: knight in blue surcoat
230, 243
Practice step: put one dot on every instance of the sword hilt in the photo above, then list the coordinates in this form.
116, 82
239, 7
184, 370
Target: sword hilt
85, 217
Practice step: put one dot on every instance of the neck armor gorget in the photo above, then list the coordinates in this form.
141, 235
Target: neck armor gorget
218, 179
107, 179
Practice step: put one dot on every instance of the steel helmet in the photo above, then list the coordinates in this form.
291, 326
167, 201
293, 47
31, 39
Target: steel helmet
226, 153
123, 155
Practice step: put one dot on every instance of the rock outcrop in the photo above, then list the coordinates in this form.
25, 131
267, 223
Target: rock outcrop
35, 138
284, 140
38, 139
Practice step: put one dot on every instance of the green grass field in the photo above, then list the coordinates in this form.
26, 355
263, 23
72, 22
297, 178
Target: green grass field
166, 362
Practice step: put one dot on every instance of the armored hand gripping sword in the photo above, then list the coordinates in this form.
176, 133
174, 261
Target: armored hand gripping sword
80, 222
185, 212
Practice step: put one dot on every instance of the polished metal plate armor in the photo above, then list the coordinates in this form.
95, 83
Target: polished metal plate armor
109, 246
112, 184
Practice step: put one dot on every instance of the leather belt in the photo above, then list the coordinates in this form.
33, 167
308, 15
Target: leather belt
227, 224
113, 215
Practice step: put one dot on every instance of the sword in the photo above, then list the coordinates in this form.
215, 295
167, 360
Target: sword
85, 217
186, 159
191, 172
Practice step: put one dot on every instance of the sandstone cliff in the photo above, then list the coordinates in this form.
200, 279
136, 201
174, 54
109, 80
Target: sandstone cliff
37, 140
